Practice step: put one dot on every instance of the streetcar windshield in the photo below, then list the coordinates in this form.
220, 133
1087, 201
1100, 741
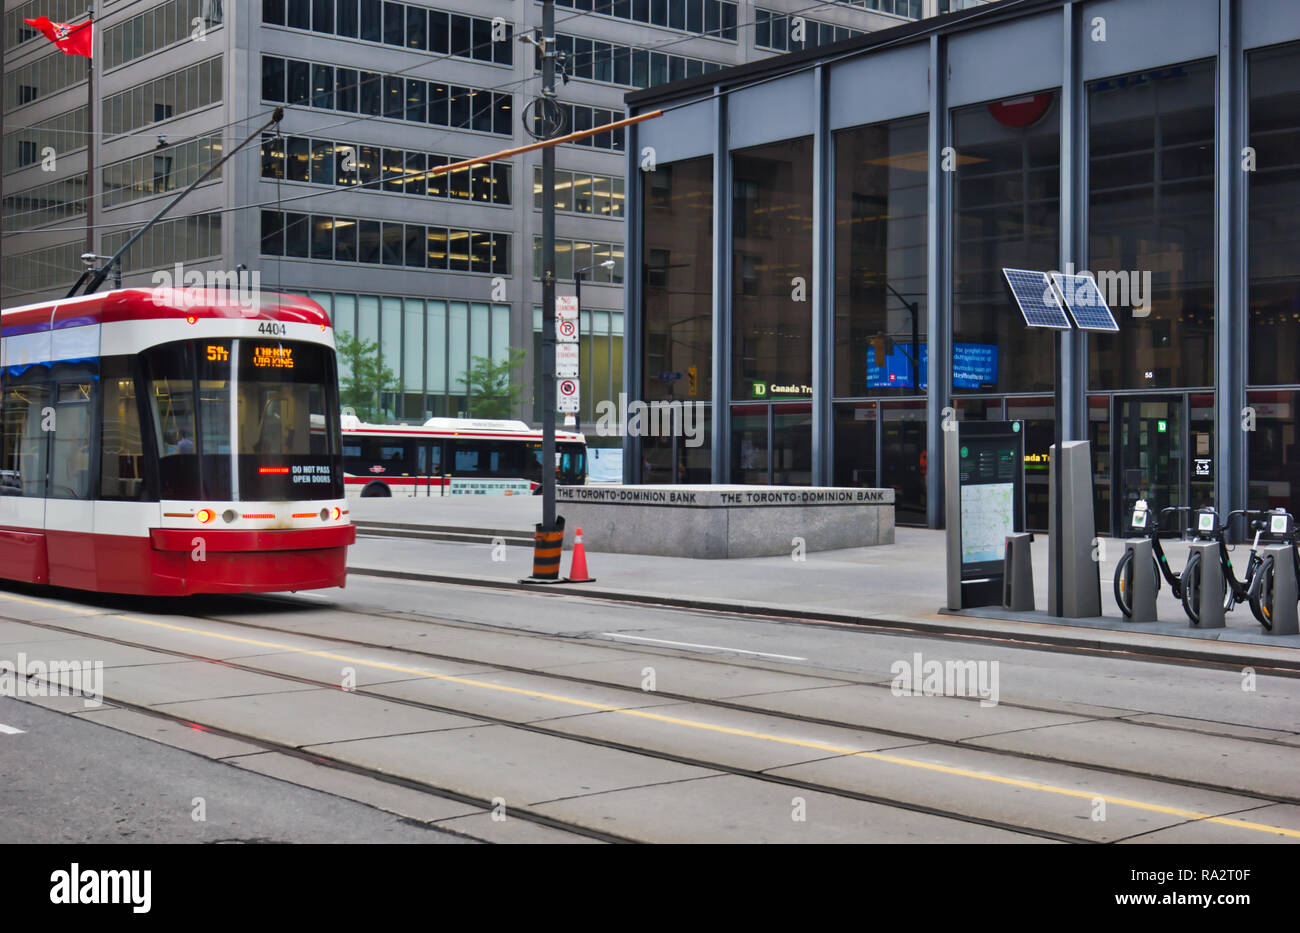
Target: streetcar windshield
244, 419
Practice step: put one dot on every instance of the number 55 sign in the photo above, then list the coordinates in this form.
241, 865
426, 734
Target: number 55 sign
566, 395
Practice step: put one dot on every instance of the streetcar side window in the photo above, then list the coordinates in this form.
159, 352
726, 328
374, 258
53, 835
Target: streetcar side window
23, 441
70, 464
121, 472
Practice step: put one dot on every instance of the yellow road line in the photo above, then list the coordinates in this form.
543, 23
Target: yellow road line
694, 724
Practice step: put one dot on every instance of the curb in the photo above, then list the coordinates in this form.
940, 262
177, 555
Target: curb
1031, 634
444, 533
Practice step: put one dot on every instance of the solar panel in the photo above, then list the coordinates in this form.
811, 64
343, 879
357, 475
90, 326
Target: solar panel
1085, 301
1037, 298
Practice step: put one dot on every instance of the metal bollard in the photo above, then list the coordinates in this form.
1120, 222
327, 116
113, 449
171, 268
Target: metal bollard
1018, 574
1211, 602
1142, 592
1286, 620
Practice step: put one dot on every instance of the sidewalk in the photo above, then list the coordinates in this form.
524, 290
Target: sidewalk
900, 585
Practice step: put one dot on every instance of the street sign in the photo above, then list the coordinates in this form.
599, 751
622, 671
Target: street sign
566, 331
566, 308
566, 360
566, 395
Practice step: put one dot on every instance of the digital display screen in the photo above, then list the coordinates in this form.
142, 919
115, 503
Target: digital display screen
1277, 525
272, 357
974, 366
217, 353
1205, 521
1139, 518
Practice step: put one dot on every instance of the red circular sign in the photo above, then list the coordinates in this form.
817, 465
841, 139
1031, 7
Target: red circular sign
568, 387
1017, 112
568, 328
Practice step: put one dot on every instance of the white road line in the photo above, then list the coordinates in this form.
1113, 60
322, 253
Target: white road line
9, 730
687, 644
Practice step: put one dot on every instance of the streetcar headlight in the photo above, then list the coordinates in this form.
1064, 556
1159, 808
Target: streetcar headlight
336, 513
205, 516
324, 515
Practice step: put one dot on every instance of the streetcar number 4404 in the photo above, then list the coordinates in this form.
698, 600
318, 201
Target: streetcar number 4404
275, 330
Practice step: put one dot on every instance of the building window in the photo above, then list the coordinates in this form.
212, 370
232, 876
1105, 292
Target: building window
1151, 226
164, 25
392, 96
677, 310
297, 236
771, 340
165, 170
881, 260
399, 24
1273, 227
1006, 213
185, 239
190, 89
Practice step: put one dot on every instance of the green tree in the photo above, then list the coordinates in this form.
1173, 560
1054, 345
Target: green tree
367, 380
493, 393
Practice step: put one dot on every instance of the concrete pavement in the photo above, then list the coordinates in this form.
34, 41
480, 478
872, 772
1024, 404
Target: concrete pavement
900, 583
444, 703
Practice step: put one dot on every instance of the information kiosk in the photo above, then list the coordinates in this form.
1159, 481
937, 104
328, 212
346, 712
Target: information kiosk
984, 466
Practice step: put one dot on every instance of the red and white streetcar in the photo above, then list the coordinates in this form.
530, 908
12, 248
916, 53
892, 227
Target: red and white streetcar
460, 456
171, 441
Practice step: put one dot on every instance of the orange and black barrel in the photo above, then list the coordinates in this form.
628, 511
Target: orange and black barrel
547, 547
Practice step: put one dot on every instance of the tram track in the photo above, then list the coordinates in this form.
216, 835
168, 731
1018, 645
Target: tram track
905, 738
1183, 655
487, 719
471, 626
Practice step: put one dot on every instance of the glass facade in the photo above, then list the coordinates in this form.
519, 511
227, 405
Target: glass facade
1176, 167
426, 344
880, 307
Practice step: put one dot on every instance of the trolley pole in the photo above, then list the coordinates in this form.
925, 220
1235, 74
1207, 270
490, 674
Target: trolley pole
546, 108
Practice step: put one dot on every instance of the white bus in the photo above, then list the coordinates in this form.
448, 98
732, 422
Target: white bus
454, 456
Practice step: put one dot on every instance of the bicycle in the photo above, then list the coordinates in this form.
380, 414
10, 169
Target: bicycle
1283, 529
1143, 522
1234, 591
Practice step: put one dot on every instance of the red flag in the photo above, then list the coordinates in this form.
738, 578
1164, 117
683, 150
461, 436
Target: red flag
71, 40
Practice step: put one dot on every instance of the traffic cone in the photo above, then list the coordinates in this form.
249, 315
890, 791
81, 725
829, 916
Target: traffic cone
578, 567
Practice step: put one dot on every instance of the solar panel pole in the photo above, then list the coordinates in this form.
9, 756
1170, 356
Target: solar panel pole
1058, 539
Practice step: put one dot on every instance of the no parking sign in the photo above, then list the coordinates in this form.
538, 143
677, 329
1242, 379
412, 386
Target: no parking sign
566, 395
